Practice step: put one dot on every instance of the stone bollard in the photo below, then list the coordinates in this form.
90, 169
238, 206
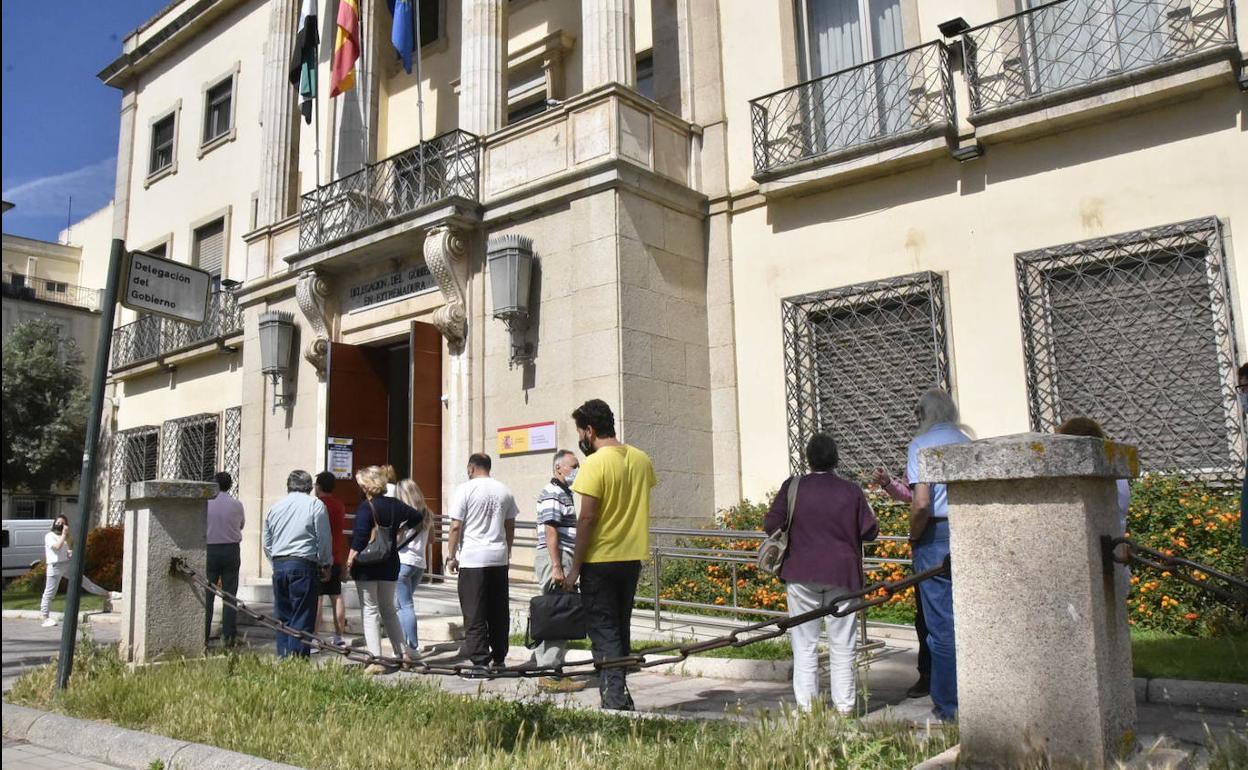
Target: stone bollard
1043, 649
163, 614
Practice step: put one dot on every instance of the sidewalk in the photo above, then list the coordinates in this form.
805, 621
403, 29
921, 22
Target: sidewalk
19, 755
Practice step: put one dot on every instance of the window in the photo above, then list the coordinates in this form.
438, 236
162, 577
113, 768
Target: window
57, 287
189, 448
645, 75
138, 450
1134, 331
430, 21
31, 508
209, 246
856, 360
160, 250
218, 110
526, 95
162, 144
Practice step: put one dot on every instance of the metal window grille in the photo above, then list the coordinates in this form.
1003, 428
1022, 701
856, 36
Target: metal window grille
1135, 331
231, 444
856, 360
1064, 46
189, 448
888, 101
135, 458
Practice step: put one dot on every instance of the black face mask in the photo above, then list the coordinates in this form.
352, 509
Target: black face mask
57, 528
587, 447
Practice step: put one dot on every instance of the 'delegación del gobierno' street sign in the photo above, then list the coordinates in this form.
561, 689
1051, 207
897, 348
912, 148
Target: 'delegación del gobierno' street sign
151, 284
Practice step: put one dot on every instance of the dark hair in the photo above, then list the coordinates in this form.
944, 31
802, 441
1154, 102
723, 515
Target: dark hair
1243, 371
1081, 426
326, 481
821, 453
595, 414
480, 460
225, 481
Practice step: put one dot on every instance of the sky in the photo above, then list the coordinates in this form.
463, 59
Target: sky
59, 121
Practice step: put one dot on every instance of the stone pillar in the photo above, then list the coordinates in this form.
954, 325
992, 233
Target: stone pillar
278, 121
607, 50
163, 614
483, 66
1043, 650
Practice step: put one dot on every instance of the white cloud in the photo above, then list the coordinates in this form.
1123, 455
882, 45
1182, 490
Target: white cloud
91, 187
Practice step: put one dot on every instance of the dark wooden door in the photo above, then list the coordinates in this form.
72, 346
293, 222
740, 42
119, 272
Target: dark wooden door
357, 409
426, 433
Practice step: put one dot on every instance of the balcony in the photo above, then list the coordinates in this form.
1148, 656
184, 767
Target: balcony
1070, 48
884, 103
438, 170
152, 337
18, 286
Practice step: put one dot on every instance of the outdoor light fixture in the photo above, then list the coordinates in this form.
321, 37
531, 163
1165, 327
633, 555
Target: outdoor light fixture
510, 262
277, 339
953, 27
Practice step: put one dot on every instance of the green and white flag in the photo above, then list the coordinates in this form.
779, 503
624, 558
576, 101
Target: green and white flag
303, 65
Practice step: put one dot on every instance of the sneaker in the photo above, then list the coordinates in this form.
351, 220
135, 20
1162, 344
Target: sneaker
551, 684
114, 596
48, 622
338, 641
919, 688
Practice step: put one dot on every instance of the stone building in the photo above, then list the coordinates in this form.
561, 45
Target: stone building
750, 220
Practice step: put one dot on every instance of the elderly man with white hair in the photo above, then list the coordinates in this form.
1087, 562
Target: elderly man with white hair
297, 540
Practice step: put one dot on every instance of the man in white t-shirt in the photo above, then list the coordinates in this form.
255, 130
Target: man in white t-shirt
483, 521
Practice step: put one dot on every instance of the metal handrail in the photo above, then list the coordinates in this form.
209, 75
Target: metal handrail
1067, 47
151, 337
20, 286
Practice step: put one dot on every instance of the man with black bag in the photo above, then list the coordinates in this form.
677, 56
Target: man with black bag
556, 543
612, 538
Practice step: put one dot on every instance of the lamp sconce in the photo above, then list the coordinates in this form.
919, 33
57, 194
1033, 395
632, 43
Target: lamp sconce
277, 337
510, 262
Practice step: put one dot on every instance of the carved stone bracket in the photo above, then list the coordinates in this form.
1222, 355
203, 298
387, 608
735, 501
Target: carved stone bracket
444, 256
312, 294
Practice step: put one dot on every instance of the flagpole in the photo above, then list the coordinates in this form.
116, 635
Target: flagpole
420, 100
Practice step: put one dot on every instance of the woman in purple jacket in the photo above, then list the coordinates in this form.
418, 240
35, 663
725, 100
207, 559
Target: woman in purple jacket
831, 520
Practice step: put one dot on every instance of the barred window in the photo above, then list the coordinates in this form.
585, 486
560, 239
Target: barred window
231, 444
139, 452
856, 360
1134, 330
189, 448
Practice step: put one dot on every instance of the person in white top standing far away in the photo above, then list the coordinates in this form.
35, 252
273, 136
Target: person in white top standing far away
56, 555
483, 519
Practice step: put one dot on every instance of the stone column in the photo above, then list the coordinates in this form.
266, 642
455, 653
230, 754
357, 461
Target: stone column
278, 117
607, 50
1043, 650
483, 66
163, 614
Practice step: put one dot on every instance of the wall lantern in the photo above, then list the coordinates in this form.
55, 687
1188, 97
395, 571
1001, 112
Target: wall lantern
510, 262
277, 333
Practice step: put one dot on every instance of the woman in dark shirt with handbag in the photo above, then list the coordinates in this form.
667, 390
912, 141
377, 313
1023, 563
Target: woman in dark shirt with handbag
377, 524
831, 520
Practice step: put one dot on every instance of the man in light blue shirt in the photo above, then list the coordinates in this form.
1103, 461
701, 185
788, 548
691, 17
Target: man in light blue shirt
298, 541
929, 540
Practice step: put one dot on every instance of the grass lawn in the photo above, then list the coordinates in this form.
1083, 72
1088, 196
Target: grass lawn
1218, 659
344, 720
17, 596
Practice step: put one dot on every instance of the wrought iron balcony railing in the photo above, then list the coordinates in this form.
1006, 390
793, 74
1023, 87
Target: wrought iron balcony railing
1064, 45
441, 168
890, 99
151, 336
18, 286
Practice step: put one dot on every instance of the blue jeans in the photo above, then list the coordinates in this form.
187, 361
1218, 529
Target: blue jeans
296, 589
409, 578
937, 599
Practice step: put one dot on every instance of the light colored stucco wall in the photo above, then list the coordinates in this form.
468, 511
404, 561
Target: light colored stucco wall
51, 261
208, 385
94, 236
967, 221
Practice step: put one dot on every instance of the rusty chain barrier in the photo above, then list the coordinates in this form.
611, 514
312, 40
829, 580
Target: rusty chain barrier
1233, 590
443, 664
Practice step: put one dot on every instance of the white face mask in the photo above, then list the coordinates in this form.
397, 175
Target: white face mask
571, 477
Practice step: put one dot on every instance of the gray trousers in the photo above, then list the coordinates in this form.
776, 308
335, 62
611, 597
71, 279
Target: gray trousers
549, 653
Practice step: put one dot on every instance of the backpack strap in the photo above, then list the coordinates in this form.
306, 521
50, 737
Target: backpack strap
793, 482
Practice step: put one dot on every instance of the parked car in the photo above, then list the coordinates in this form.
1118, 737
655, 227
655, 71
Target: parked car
22, 541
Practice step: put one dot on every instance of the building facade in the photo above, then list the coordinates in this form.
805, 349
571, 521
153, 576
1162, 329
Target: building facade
750, 221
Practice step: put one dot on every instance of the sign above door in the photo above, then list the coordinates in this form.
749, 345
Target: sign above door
388, 287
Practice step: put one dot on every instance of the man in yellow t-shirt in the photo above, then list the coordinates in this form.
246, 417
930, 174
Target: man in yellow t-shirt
612, 537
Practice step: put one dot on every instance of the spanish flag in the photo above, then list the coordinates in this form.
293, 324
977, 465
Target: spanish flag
346, 47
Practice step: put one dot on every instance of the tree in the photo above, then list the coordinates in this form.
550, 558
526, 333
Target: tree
44, 408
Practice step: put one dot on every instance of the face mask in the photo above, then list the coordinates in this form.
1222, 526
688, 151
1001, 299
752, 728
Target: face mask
587, 447
571, 476
57, 528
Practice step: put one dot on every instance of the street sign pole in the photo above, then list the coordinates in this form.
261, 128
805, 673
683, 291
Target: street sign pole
90, 455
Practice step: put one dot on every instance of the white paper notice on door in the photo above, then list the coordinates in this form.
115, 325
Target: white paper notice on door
341, 457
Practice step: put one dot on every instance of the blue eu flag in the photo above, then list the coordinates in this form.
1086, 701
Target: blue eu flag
403, 33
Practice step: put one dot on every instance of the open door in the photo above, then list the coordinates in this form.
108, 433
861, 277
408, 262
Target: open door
358, 410
426, 431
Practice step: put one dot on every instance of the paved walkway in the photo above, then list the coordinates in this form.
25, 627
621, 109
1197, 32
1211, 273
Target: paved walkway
25, 644
19, 755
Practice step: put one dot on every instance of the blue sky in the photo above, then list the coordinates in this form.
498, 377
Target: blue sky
60, 122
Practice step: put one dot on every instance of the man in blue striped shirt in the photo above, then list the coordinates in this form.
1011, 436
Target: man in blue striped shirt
556, 542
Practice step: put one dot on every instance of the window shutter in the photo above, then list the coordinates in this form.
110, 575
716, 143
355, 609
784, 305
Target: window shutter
210, 247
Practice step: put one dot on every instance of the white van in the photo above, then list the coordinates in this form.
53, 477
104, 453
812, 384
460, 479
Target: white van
22, 541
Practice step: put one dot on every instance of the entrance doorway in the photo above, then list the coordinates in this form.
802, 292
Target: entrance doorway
387, 399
